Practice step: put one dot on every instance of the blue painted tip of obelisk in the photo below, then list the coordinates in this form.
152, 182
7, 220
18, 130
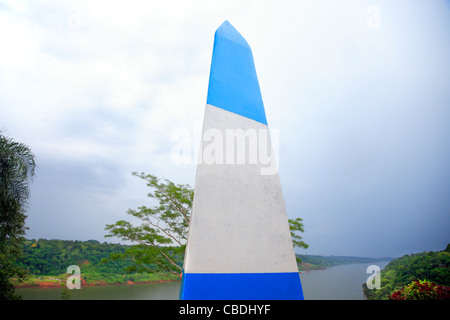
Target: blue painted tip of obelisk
226, 30
233, 83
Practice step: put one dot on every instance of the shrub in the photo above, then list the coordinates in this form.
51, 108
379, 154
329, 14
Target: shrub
421, 290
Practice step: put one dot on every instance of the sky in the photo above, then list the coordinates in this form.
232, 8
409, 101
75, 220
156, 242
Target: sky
357, 91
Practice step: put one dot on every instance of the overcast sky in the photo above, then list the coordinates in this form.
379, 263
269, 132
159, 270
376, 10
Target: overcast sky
358, 92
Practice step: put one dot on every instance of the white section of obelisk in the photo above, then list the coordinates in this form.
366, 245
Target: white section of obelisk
239, 222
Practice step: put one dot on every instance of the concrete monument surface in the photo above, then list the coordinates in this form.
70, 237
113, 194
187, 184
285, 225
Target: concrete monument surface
239, 245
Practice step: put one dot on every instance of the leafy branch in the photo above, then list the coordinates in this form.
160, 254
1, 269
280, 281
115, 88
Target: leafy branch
160, 239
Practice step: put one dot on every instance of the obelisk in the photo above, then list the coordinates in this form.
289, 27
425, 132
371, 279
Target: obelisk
239, 245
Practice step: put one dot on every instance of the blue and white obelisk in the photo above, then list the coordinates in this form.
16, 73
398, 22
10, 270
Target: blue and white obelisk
239, 245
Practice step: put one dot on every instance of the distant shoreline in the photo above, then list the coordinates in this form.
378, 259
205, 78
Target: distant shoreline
54, 285
48, 284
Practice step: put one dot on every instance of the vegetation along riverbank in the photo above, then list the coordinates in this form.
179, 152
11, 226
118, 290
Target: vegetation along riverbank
47, 262
418, 276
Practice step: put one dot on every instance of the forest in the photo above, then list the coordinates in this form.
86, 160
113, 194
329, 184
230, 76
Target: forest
52, 258
44, 257
418, 269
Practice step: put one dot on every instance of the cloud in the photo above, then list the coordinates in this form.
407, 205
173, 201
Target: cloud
97, 89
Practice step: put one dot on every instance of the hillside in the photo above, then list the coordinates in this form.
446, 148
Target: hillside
47, 261
432, 266
314, 262
52, 257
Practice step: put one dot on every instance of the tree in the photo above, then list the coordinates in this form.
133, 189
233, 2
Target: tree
17, 168
296, 226
162, 225
161, 236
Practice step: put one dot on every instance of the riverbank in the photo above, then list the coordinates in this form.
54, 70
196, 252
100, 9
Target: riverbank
432, 266
91, 280
317, 262
60, 281
46, 284
341, 282
338, 282
306, 267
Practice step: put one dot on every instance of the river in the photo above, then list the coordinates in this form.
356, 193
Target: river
343, 282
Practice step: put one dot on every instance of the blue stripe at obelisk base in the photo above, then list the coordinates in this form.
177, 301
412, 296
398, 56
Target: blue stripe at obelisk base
241, 286
233, 83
